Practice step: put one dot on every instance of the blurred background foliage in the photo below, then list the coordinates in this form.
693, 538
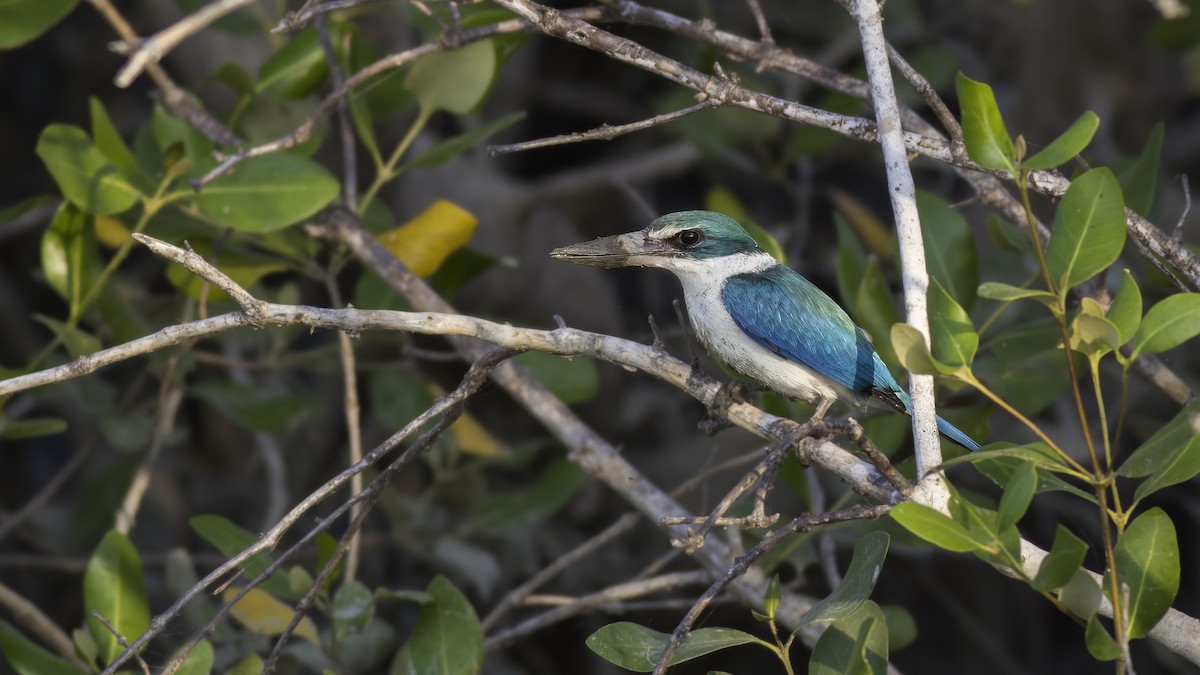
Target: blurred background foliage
259, 423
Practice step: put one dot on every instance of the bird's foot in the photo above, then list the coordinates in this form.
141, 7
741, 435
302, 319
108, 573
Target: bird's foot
729, 394
818, 416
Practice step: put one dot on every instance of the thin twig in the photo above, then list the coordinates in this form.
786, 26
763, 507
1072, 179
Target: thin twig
760, 19
293, 21
121, 640
170, 396
349, 162
154, 48
353, 415
802, 523
602, 133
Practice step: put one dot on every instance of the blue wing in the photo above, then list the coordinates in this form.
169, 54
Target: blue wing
787, 314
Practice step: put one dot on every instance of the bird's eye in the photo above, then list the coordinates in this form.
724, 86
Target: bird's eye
689, 238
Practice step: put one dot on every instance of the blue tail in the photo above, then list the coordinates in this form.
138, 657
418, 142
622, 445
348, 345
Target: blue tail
952, 432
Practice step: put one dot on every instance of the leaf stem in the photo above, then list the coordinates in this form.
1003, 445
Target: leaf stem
388, 171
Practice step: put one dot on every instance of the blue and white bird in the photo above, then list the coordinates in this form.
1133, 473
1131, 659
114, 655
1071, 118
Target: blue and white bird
761, 318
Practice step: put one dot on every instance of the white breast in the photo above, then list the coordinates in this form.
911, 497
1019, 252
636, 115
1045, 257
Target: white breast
702, 285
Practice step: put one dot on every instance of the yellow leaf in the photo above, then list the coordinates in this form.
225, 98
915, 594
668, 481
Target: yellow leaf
471, 437
425, 242
874, 234
263, 614
111, 232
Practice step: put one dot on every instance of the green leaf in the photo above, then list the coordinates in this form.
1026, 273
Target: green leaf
456, 145
77, 341
1081, 595
1140, 180
1125, 312
949, 248
1091, 332
1147, 559
250, 664
872, 309
1064, 560
994, 290
637, 648
447, 638
526, 507
27, 658
113, 587
296, 68
1169, 323
254, 408
771, 597
268, 193
987, 141
723, 200
912, 352
113, 147
1017, 495
950, 329
1100, 644
85, 646
934, 527
851, 261
23, 20
199, 661
854, 645
34, 427
1169, 457
70, 255
1089, 229
231, 540
84, 175
574, 380
1070, 143
453, 81
857, 584
353, 608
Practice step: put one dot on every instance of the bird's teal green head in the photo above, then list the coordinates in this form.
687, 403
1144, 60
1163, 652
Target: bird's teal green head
685, 235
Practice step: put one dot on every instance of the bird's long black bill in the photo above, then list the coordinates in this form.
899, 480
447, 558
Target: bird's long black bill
604, 252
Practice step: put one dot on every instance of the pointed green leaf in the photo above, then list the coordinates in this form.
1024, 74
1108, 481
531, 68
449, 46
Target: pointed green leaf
447, 638
635, 647
27, 658
453, 81
85, 645
113, 147
353, 608
949, 248
771, 597
1169, 323
453, 147
113, 587
987, 141
851, 261
1100, 644
70, 254
574, 380
296, 68
23, 20
1169, 457
1064, 560
1070, 143
854, 645
950, 329
934, 527
231, 540
994, 290
1089, 229
857, 584
1126, 309
872, 308
1018, 493
83, 174
1147, 558
913, 353
33, 427
1140, 180
268, 193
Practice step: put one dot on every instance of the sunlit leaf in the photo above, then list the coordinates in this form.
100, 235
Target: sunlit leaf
425, 242
913, 353
934, 527
1089, 229
84, 175
950, 329
1081, 595
987, 141
995, 290
263, 614
1070, 143
1147, 560
113, 587
1169, 323
297, 67
1126, 309
1018, 493
455, 81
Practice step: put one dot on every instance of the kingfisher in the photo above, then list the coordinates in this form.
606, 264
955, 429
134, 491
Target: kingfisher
760, 317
